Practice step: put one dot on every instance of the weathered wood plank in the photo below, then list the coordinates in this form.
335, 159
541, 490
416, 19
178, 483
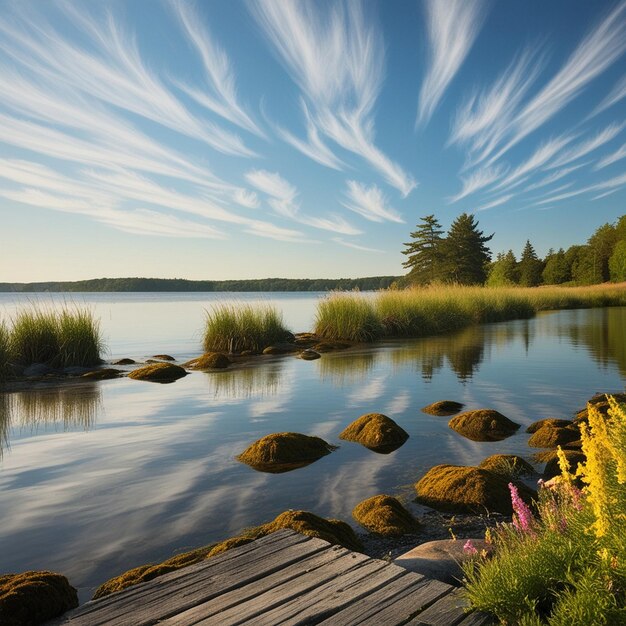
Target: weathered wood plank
374, 603
254, 610
477, 619
237, 597
406, 607
447, 611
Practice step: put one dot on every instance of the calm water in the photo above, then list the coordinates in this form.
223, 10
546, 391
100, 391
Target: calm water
97, 478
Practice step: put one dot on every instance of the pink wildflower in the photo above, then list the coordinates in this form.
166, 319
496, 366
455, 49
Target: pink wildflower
469, 548
523, 518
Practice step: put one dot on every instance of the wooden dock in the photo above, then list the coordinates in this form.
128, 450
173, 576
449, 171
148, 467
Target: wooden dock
283, 578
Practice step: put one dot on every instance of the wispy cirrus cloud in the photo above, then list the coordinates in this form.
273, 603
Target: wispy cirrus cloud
617, 94
369, 202
337, 61
610, 184
555, 176
354, 246
478, 179
494, 203
584, 148
609, 159
452, 28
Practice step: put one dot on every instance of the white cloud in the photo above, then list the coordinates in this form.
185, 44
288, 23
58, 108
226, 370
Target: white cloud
617, 94
452, 28
611, 184
246, 198
478, 179
272, 184
370, 202
609, 159
495, 203
552, 178
584, 148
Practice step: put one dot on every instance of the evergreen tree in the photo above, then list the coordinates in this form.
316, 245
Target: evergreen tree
424, 252
530, 267
503, 271
556, 270
465, 254
601, 245
617, 262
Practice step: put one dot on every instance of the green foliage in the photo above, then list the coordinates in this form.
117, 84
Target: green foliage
617, 262
34, 336
4, 351
234, 328
424, 252
80, 340
556, 270
347, 316
530, 267
503, 272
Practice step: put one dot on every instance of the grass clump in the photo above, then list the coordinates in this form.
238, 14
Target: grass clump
385, 515
566, 564
376, 432
234, 328
347, 316
509, 465
4, 352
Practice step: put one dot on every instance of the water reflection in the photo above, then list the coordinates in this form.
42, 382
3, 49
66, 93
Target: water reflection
251, 381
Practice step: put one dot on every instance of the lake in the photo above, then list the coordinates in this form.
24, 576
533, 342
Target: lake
96, 478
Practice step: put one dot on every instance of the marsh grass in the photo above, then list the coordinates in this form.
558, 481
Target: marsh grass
440, 309
62, 338
234, 328
4, 352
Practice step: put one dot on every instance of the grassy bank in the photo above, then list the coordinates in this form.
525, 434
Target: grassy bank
440, 309
62, 338
235, 328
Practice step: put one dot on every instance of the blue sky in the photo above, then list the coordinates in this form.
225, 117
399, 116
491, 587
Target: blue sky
231, 139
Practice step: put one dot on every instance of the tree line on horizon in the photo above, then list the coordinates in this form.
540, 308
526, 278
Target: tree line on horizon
461, 256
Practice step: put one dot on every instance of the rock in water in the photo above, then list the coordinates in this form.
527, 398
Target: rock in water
210, 360
443, 408
376, 432
483, 425
385, 515
159, 373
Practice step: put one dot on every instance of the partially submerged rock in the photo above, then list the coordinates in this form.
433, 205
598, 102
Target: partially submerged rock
548, 421
282, 452
210, 360
385, 515
443, 408
509, 465
105, 373
331, 530
159, 373
549, 436
124, 361
483, 425
461, 489
329, 346
376, 432
309, 355
281, 348
163, 357
306, 340
34, 597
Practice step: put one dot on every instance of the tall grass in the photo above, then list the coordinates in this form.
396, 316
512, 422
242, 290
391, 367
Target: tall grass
234, 328
4, 351
443, 308
58, 338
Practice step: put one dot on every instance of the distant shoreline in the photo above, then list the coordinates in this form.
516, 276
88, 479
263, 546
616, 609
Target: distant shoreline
180, 285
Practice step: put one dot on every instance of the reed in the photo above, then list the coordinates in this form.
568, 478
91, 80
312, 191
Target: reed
4, 352
80, 339
439, 309
235, 328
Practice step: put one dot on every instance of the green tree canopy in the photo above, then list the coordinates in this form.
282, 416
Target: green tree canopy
530, 267
424, 252
556, 270
617, 262
503, 271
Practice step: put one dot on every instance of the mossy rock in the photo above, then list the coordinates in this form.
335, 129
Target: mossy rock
124, 362
282, 452
443, 408
106, 373
144, 573
306, 340
34, 597
309, 355
329, 346
549, 436
461, 489
376, 432
385, 515
334, 531
600, 403
281, 348
552, 469
548, 421
210, 360
159, 373
509, 465
163, 357
483, 425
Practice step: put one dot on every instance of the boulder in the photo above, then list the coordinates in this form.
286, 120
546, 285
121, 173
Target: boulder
105, 373
441, 560
549, 421
385, 515
551, 459
600, 402
306, 340
483, 425
329, 346
549, 436
163, 357
210, 360
281, 348
124, 362
443, 408
159, 373
509, 465
309, 355
376, 432
34, 597
461, 489
282, 452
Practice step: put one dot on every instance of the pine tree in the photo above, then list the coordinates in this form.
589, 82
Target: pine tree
465, 254
530, 267
424, 252
556, 270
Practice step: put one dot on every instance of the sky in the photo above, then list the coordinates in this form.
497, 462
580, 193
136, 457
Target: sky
243, 139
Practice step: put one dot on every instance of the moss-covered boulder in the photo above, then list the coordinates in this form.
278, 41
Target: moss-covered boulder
550, 436
163, 357
208, 361
551, 459
124, 361
334, 531
34, 597
282, 452
385, 515
460, 489
376, 432
548, 421
483, 425
159, 373
105, 373
281, 348
309, 355
443, 408
144, 573
509, 465
600, 402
